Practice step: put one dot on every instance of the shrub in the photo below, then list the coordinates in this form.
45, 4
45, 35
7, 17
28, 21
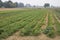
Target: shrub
1, 30
49, 31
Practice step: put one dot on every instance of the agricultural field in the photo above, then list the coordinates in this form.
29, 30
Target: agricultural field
30, 24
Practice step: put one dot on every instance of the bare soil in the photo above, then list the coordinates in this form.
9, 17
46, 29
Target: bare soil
16, 36
3, 9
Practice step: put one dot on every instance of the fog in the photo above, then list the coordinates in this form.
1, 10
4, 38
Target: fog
38, 2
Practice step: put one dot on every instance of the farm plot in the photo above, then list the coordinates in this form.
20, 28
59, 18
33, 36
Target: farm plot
50, 31
12, 21
31, 22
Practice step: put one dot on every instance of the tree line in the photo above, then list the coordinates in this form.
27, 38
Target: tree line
10, 4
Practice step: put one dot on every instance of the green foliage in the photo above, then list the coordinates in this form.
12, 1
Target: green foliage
57, 27
57, 23
36, 32
47, 5
21, 5
28, 22
1, 3
1, 31
8, 4
49, 31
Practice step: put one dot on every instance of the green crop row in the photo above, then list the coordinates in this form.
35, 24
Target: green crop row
57, 23
19, 20
12, 19
50, 31
28, 22
34, 28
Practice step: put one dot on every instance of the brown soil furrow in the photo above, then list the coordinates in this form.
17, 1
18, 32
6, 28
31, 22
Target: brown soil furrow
57, 18
42, 36
54, 22
46, 22
5, 9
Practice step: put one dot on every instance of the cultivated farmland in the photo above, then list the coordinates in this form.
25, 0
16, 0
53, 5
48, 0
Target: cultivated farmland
30, 24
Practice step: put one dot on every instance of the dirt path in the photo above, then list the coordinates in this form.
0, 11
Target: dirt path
41, 37
5, 9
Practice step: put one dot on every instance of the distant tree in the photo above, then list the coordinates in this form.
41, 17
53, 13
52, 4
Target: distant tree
8, 4
16, 4
34, 6
1, 3
21, 5
27, 5
46, 5
5, 4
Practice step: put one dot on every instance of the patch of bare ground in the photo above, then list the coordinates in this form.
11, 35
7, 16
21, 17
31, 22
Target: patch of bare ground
4, 9
40, 37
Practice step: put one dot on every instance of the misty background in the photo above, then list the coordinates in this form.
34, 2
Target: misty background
38, 2
29, 3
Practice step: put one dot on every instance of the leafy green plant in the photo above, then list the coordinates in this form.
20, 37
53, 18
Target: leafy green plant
49, 31
1, 30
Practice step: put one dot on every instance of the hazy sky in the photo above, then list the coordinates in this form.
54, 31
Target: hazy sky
38, 2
